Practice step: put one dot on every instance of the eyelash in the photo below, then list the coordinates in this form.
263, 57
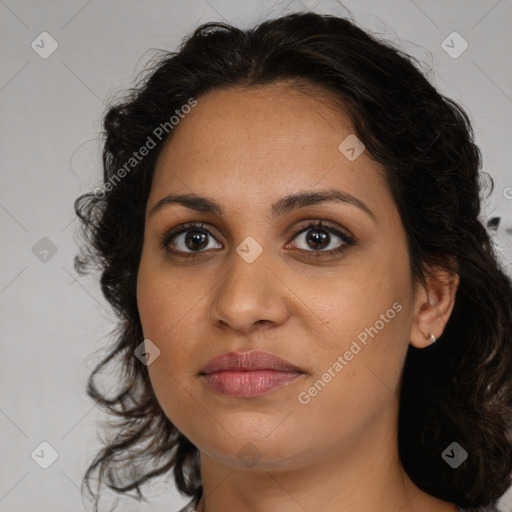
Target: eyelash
319, 225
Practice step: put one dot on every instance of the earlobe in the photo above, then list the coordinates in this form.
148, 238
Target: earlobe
433, 306
431, 338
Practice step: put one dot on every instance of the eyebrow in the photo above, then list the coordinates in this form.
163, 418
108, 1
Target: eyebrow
280, 208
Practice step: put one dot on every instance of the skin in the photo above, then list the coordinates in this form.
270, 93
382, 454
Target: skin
247, 148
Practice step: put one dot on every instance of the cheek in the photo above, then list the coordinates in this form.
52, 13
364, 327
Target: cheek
357, 378
359, 295
164, 298
163, 315
166, 321
368, 317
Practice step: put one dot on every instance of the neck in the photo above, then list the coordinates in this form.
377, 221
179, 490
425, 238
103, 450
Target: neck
361, 475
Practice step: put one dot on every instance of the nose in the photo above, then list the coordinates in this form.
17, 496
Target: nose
249, 295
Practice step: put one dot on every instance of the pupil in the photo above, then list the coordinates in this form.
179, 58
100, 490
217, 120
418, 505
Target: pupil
317, 237
197, 240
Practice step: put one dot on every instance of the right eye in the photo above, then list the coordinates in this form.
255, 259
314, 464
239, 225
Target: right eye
194, 241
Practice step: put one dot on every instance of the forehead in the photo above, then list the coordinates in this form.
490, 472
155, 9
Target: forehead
254, 120
266, 141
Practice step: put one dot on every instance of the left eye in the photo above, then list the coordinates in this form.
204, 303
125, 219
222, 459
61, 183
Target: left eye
319, 238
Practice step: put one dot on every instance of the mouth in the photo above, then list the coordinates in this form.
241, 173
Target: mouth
248, 374
248, 361
247, 384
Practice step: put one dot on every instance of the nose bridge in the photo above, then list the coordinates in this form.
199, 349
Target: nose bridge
248, 291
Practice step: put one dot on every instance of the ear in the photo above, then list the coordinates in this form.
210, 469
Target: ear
433, 305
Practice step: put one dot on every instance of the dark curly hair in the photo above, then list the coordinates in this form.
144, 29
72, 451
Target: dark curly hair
459, 389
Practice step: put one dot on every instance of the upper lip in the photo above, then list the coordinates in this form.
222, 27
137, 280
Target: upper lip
247, 361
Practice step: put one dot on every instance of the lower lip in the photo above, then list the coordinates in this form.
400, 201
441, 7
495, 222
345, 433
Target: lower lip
246, 384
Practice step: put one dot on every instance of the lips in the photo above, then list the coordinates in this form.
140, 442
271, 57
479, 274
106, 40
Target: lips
248, 374
248, 361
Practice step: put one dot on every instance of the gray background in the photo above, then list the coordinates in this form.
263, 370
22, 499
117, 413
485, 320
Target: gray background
54, 323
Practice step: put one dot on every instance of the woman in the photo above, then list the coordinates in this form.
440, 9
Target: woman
311, 315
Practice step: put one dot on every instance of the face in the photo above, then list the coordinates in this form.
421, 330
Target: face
335, 301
